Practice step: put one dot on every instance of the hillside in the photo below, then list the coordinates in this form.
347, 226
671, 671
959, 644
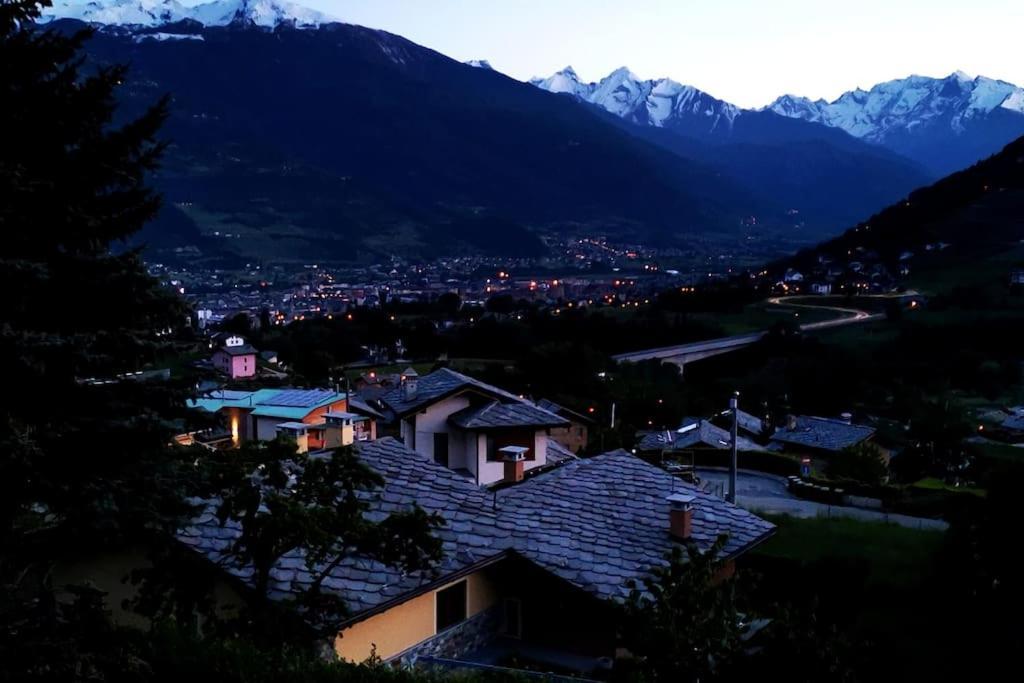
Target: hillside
964, 217
342, 142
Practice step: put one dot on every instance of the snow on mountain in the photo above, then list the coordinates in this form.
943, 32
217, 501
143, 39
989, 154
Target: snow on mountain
565, 81
268, 13
480, 64
129, 12
150, 13
906, 104
658, 102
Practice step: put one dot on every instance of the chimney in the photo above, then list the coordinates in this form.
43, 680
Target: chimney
515, 459
410, 380
846, 417
680, 515
791, 422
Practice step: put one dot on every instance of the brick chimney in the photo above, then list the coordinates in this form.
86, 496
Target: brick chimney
515, 460
410, 381
680, 515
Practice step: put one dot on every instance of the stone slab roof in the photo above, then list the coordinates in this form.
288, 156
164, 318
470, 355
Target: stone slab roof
494, 415
438, 385
558, 454
243, 350
472, 532
594, 522
598, 522
692, 434
823, 433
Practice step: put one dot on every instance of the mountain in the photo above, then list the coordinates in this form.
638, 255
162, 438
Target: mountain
662, 103
972, 214
151, 13
823, 175
943, 123
342, 142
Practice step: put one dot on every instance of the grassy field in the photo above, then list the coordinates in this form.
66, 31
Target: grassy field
874, 580
895, 554
941, 276
762, 316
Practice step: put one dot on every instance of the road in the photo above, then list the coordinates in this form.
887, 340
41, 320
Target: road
847, 316
767, 493
708, 347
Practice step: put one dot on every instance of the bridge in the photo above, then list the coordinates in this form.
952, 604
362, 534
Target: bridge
682, 354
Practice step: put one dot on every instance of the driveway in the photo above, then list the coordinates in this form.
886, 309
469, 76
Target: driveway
767, 493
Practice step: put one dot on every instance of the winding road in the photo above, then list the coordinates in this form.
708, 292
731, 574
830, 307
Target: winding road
682, 354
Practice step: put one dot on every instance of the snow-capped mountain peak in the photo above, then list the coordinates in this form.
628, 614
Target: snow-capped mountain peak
151, 13
660, 102
907, 104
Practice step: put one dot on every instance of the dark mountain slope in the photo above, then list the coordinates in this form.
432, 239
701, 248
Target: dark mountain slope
976, 212
345, 141
824, 175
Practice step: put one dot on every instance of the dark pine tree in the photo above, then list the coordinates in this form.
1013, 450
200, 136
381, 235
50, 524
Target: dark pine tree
84, 461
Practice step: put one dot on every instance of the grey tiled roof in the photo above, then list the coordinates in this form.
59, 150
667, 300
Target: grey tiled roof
243, 350
691, 434
471, 532
558, 454
357, 403
823, 433
1014, 423
494, 414
437, 385
748, 422
567, 413
600, 521
594, 522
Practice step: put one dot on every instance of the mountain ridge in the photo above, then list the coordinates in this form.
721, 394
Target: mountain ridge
155, 13
944, 124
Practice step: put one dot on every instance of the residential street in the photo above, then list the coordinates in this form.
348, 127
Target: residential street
767, 493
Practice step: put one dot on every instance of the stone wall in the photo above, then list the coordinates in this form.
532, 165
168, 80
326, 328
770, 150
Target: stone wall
454, 642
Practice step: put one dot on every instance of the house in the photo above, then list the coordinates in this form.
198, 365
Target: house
693, 434
573, 436
315, 418
537, 564
463, 423
810, 435
821, 288
235, 358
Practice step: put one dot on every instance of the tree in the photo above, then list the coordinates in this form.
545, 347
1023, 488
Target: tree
863, 463
239, 324
285, 501
83, 452
938, 430
682, 623
449, 304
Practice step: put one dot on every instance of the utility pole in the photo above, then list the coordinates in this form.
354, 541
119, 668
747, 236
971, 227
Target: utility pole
734, 403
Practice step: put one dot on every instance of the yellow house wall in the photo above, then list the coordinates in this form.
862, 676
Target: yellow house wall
408, 623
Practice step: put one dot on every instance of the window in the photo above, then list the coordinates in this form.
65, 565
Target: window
450, 605
512, 622
441, 448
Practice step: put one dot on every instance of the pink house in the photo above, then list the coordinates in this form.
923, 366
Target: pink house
235, 358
